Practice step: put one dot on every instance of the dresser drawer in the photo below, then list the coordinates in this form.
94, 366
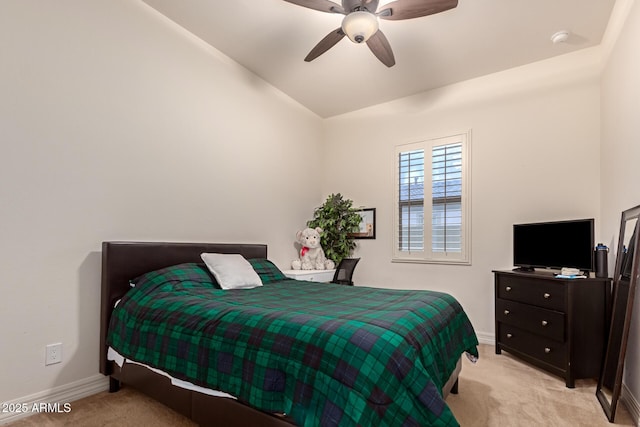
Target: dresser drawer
542, 293
536, 346
540, 321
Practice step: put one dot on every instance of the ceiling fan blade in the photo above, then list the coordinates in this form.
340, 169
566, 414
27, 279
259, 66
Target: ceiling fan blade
381, 48
370, 5
321, 5
408, 9
325, 44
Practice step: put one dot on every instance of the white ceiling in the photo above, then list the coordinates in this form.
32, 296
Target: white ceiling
479, 37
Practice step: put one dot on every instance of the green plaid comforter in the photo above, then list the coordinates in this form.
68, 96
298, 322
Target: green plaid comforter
325, 354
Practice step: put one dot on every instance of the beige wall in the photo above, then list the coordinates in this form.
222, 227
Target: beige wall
535, 157
620, 158
116, 124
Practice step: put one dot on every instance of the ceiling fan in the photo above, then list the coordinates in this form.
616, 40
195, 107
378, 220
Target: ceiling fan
361, 22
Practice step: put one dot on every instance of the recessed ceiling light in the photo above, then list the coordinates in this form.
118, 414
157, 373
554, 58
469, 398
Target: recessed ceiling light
560, 37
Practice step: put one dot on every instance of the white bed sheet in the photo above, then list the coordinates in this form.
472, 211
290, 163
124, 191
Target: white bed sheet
121, 360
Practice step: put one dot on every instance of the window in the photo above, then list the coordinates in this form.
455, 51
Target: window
432, 182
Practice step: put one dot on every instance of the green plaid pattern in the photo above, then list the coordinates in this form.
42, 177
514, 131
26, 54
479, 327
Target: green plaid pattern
327, 355
267, 271
190, 272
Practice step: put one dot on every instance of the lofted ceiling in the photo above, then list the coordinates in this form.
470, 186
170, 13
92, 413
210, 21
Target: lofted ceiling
272, 37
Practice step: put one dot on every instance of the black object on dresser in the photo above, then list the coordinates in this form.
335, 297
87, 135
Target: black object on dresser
559, 325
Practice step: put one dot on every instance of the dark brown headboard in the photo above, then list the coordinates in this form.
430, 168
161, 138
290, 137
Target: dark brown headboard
123, 261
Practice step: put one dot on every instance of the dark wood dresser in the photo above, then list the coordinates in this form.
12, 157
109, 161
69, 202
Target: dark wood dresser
559, 325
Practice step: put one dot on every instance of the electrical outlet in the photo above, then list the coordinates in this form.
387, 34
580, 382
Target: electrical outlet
53, 354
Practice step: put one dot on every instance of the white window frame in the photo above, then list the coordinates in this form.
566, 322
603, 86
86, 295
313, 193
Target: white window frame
427, 255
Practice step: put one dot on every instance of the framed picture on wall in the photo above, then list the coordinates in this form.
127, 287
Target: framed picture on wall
367, 224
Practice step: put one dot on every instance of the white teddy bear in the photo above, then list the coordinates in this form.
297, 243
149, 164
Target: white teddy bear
311, 255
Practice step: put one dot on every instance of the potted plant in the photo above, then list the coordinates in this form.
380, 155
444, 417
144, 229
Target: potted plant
337, 217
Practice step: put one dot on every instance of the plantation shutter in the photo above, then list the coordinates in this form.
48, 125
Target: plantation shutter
446, 221
432, 181
411, 201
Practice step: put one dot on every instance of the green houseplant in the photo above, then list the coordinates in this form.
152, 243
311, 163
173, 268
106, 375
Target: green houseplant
337, 217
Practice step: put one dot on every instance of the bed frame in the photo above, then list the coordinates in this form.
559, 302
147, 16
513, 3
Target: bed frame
122, 261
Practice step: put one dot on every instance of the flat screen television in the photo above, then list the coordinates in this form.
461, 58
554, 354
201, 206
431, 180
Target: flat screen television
554, 245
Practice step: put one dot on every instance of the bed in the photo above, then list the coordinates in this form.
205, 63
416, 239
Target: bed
290, 390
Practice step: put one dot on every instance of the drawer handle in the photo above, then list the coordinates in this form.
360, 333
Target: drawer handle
547, 350
545, 323
509, 335
508, 288
547, 296
506, 312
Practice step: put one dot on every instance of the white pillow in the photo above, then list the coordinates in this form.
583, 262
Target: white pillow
232, 271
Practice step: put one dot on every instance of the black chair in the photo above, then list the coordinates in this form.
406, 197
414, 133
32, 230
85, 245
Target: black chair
344, 272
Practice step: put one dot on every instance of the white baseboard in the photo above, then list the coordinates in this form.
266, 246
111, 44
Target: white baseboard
63, 394
486, 338
631, 403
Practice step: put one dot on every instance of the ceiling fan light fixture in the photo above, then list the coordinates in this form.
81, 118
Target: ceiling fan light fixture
359, 26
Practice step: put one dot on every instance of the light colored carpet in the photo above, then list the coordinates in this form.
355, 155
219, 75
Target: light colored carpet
498, 390
126, 408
